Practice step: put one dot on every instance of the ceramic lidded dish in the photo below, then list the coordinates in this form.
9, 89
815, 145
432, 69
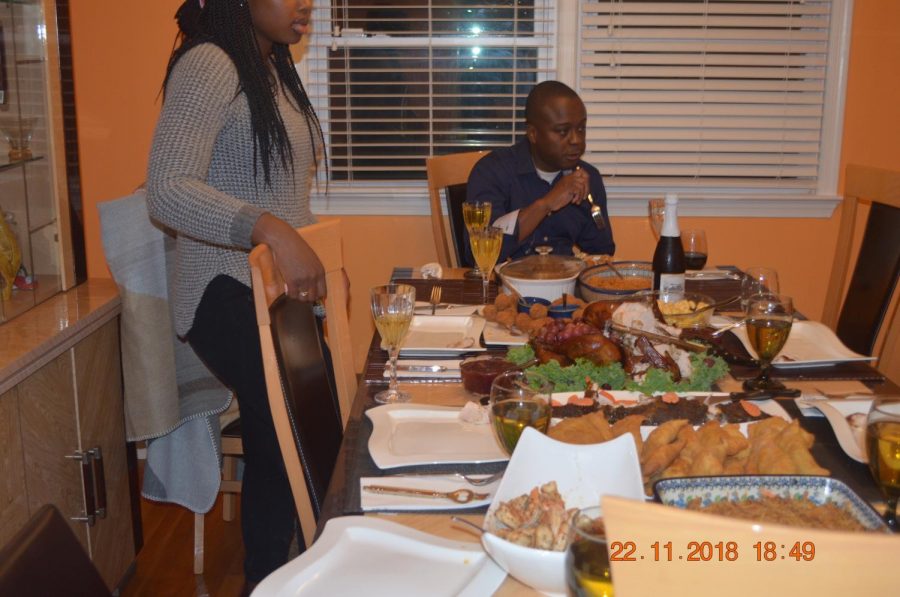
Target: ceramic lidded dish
582, 474
542, 275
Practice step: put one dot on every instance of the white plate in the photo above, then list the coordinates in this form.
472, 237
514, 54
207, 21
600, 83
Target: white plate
770, 407
712, 274
424, 308
358, 555
418, 434
443, 335
497, 335
810, 344
837, 411
370, 500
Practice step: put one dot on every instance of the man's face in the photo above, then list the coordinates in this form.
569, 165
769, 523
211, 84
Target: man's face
557, 136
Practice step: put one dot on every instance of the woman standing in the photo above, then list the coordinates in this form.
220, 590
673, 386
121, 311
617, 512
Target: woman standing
230, 167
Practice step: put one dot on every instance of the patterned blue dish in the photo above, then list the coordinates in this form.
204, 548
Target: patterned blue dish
821, 490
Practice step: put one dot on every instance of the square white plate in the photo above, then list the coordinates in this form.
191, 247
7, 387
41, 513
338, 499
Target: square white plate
359, 555
441, 335
497, 335
810, 344
837, 411
419, 434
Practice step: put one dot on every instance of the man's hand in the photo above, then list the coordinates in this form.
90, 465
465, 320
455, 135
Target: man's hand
571, 188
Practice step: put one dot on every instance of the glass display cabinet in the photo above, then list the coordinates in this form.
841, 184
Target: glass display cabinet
39, 202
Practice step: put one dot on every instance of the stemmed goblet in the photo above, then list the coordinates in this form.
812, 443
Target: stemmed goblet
587, 557
392, 308
519, 399
656, 210
768, 323
476, 214
883, 449
486, 243
758, 281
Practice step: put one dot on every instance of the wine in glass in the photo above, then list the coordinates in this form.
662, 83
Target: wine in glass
656, 209
486, 243
758, 281
768, 323
392, 308
883, 449
587, 558
695, 251
519, 399
476, 215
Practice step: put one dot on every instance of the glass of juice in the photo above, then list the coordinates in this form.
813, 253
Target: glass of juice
587, 558
768, 324
883, 449
486, 244
392, 308
519, 399
476, 215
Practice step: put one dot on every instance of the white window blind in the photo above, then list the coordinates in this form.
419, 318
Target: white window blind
707, 93
395, 81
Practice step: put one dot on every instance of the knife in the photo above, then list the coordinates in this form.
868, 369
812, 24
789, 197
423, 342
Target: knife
423, 368
693, 346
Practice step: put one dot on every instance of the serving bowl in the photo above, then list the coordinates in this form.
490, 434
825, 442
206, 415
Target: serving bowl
689, 310
582, 474
820, 490
542, 275
599, 282
524, 304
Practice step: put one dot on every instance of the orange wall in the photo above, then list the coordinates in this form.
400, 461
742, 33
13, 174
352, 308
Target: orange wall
119, 66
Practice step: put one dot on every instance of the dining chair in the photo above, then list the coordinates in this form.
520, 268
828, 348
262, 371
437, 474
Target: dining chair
449, 173
301, 388
864, 316
325, 240
46, 558
843, 563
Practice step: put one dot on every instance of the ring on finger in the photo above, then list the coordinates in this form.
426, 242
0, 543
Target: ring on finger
304, 293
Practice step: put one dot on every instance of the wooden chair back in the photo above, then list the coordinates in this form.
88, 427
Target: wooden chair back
325, 239
866, 319
45, 558
868, 555
443, 172
301, 390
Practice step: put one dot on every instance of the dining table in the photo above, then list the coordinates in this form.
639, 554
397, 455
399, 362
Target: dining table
355, 462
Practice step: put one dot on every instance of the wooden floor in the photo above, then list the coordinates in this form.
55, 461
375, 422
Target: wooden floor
165, 563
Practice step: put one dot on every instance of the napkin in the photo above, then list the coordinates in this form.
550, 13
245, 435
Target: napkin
452, 366
382, 501
432, 270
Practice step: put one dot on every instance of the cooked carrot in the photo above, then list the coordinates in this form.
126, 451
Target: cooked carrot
670, 398
750, 408
581, 401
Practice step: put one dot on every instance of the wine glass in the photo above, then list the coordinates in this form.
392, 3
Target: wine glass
768, 323
486, 243
476, 214
695, 251
883, 449
587, 557
656, 209
758, 281
392, 308
519, 399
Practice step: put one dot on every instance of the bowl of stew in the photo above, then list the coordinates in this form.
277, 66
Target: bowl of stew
600, 282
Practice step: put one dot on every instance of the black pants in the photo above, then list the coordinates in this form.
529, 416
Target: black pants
225, 336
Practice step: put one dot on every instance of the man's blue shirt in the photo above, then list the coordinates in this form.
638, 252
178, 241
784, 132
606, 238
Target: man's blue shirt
508, 179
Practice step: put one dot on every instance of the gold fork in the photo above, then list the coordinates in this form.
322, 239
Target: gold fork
435, 298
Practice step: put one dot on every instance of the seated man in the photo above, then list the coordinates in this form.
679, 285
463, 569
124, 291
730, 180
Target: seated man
538, 186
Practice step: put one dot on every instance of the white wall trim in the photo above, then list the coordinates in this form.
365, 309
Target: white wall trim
411, 202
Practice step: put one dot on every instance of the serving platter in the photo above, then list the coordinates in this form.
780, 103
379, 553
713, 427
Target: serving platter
419, 434
359, 555
442, 335
836, 412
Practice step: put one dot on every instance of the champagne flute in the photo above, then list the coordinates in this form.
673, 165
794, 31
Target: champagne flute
519, 399
883, 449
758, 281
768, 324
476, 214
695, 251
587, 557
392, 308
486, 243
656, 209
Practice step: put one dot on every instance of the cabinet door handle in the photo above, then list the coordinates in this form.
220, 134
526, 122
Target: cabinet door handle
99, 481
87, 481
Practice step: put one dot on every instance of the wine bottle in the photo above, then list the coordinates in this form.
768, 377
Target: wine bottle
668, 259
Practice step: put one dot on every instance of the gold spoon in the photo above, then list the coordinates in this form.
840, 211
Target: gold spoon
460, 496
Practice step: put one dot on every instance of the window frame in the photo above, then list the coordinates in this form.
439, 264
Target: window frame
411, 197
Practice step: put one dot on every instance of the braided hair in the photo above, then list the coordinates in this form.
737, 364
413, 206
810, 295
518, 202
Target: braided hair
228, 24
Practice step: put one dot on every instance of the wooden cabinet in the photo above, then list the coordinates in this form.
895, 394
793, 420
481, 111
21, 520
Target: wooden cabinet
62, 441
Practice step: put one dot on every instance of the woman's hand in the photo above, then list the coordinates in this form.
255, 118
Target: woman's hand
301, 269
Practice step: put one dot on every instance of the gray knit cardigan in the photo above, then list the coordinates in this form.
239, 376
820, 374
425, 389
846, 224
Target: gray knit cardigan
201, 181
